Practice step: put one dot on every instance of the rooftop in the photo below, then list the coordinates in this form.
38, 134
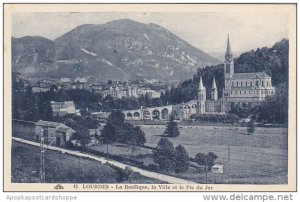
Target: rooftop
254, 75
47, 124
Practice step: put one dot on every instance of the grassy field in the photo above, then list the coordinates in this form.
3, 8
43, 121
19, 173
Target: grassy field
65, 168
261, 158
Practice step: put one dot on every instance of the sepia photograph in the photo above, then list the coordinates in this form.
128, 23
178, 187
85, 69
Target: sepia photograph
143, 97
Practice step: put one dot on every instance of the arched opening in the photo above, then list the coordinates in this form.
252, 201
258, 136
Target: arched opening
147, 114
136, 115
129, 115
165, 114
155, 114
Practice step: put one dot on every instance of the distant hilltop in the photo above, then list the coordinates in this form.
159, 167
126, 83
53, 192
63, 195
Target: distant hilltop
119, 49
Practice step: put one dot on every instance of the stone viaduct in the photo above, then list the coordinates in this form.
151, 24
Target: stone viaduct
180, 111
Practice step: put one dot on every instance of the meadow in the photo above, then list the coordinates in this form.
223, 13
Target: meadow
260, 158
65, 168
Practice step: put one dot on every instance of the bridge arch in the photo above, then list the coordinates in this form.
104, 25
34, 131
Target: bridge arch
129, 115
156, 114
136, 115
147, 114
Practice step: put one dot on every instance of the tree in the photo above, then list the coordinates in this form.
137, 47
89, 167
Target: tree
207, 160
164, 155
83, 135
274, 109
116, 117
108, 136
181, 160
250, 127
200, 159
211, 157
172, 128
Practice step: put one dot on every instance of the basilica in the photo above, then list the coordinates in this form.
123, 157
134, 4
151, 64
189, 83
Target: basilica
242, 89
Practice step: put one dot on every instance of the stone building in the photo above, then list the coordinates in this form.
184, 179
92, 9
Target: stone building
242, 89
63, 108
57, 133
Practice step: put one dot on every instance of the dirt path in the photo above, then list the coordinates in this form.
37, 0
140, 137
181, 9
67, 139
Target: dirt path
154, 175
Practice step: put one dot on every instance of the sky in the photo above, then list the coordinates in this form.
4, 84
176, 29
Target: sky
206, 31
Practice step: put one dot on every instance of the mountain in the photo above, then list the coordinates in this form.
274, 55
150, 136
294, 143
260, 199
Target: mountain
31, 54
120, 49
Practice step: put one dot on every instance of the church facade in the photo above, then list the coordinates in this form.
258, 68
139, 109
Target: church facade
242, 89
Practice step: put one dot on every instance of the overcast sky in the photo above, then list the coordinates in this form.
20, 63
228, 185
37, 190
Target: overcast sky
207, 31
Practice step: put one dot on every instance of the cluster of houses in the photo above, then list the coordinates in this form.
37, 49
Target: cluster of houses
116, 90
128, 91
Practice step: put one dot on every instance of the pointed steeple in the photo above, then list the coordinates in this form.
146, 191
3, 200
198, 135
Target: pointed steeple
214, 86
228, 53
214, 90
201, 87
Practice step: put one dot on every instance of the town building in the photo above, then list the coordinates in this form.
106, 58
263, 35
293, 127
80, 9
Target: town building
63, 108
53, 132
79, 83
65, 82
119, 92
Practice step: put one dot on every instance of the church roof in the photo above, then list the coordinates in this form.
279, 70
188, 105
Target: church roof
254, 75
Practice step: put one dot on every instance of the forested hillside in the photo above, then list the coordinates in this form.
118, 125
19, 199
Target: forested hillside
274, 61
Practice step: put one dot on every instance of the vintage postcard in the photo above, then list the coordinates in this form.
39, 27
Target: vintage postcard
150, 97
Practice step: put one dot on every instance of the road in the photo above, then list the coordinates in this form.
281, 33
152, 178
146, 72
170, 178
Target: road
150, 174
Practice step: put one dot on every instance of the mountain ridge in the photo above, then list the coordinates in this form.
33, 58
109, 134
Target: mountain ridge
119, 49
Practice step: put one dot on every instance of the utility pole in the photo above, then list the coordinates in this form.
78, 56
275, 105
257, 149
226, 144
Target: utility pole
228, 152
205, 169
42, 154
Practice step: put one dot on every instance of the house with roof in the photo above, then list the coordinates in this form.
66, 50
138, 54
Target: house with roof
63, 108
79, 83
57, 133
65, 82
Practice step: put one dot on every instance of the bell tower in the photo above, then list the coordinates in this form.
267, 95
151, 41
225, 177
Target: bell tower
201, 97
228, 62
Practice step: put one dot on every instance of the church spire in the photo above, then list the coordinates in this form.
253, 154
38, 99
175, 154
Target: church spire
214, 90
201, 87
228, 54
214, 86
